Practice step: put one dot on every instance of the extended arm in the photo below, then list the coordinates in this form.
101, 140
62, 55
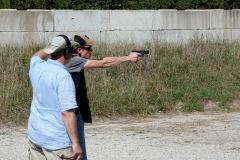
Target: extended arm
70, 123
40, 54
112, 61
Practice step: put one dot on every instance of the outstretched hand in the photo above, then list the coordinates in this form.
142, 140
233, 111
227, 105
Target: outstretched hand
135, 57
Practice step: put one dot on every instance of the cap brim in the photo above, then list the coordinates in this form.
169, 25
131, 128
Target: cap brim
49, 49
74, 44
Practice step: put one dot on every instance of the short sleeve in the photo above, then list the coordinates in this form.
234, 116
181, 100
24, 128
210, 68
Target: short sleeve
76, 64
35, 60
66, 94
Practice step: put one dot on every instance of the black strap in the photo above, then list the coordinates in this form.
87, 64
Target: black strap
66, 40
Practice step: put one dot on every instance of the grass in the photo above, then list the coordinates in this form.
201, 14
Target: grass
15, 86
191, 74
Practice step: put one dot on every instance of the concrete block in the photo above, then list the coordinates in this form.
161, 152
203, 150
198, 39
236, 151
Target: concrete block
235, 34
8, 10
214, 35
182, 20
26, 21
132, 20
235, 14
136, 37
158, 21
21, 38
38, 10
77, 21
167, 10
225, 19
90, 34
176, 36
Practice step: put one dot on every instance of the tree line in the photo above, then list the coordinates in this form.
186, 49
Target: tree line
119, 4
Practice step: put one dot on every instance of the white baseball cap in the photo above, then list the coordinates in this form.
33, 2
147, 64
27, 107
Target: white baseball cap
58, 43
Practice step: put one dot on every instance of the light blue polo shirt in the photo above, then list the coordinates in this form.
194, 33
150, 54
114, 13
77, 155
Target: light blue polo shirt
53, 93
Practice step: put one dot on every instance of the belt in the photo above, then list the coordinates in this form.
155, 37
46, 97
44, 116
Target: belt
77, 110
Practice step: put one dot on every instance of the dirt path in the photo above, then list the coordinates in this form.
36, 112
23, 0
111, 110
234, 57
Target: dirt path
195, 136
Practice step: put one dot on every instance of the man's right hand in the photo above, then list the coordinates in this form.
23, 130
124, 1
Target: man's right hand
77, 151
135, 57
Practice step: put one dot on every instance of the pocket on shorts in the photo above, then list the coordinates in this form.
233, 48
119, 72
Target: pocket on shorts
62, 156
64, 153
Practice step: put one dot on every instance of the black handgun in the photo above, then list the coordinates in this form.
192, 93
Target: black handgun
142, 52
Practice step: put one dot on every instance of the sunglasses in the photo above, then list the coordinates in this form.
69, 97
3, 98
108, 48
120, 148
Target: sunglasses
87, 48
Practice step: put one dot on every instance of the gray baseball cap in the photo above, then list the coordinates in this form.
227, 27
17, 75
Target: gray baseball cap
58, 43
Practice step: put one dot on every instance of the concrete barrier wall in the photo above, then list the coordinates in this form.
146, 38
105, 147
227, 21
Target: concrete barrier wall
113, 26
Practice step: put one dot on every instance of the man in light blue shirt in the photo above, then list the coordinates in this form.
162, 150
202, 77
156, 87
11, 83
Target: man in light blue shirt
52, 130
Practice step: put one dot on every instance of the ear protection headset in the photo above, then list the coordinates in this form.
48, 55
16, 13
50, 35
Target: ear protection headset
68, 48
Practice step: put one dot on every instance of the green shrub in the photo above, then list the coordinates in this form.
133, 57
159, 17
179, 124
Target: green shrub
119, 4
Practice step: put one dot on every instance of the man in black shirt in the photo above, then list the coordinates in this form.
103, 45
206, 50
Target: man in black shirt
79, 62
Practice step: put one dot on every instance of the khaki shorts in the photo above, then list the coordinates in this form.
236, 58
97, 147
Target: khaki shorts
40, 153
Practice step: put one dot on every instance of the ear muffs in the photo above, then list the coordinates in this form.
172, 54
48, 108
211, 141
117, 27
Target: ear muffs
68, 48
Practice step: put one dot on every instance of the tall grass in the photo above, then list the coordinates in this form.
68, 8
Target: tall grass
191, 74
15, 86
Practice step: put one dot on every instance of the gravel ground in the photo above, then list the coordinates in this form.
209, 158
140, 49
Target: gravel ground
195, 136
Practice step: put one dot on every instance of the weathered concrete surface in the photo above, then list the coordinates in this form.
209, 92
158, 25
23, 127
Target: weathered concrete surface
127, 36
21, 38
176, 36
77, 21
90, 34
221, 34
138, 26
26, 38
235, 35
183, 36
27, 21
181, 20
132, 20
158, 18
141, 37
225, 19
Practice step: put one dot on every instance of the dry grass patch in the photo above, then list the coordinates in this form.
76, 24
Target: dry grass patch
173, 77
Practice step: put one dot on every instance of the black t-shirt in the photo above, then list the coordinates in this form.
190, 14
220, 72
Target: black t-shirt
74, 67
